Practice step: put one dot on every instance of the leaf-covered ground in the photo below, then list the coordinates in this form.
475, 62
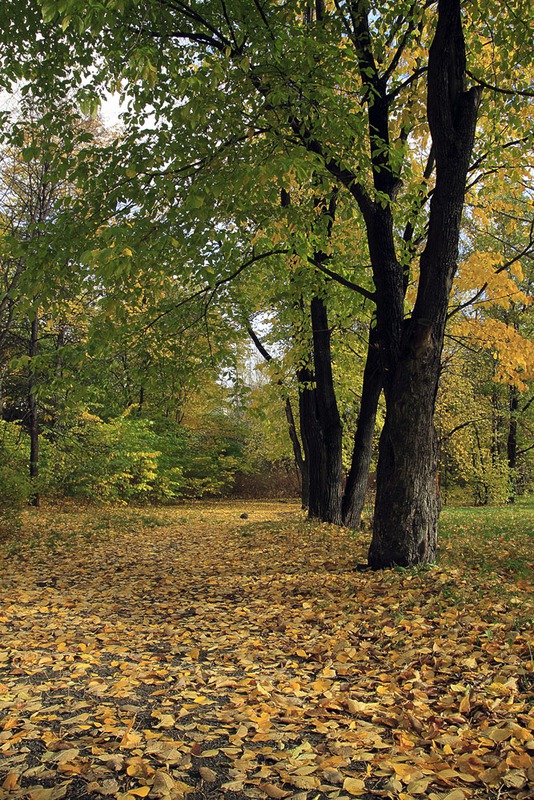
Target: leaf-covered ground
192, 653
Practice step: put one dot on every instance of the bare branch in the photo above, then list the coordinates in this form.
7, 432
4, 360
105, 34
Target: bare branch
469, 302
498, 89
213, 289
317, 263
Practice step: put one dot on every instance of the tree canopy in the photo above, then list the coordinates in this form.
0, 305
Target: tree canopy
305, 145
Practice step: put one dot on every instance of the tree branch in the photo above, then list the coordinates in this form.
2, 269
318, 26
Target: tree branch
317, 263
400, 49
194, 16
468, 302
213, 289
498, 89
264, 19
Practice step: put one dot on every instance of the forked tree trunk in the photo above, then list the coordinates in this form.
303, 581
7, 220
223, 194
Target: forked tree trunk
407, 501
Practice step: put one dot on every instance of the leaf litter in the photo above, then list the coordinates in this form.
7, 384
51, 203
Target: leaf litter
200, 654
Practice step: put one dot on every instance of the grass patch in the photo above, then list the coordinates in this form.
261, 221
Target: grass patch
497, 540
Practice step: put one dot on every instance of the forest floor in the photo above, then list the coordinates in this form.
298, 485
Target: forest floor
192, 652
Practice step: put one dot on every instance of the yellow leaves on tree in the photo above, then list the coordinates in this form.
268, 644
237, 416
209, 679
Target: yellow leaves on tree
482, 269
513, 354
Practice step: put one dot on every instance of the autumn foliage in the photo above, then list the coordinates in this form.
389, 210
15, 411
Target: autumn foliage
236, 651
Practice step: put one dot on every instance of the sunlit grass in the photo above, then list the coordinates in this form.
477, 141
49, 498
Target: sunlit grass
496, 539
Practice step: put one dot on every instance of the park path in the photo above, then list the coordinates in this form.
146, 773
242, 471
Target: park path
234, 651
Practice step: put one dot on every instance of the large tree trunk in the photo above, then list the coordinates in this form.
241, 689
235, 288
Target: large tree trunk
358, 477
407, 501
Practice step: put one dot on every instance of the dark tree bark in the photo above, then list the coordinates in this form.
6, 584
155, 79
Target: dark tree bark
511, 442
300, 461
320, 424
358, 476
407, 503
311, 441
325, 465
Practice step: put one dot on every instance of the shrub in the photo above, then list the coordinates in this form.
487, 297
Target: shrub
14, 480
135, 460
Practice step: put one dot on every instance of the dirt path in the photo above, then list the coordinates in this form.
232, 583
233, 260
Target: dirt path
194, 653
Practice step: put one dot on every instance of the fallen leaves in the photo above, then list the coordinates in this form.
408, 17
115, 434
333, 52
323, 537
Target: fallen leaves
213, 657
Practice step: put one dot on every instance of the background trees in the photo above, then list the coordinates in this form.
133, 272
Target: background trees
294, 143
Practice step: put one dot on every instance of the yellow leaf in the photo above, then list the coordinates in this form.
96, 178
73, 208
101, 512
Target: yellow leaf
357, 707
208, 774
354, 786
303, 781
163, 783
137, 768
165, 721
466, 777
321, 685
183, 788
456, 794
419, 786
231, 786
141, 791
465, 704
407, 772
11, 781
329, 672
273, 791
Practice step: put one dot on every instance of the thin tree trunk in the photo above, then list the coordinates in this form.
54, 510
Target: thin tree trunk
358, 477
302, 467
311, 442
511, 443
292, 428
33, 422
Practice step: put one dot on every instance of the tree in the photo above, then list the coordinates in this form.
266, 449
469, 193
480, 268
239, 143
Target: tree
28, 200
490, 354
228, 107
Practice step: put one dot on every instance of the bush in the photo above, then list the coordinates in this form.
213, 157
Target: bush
109, 461
134, 460
15, 487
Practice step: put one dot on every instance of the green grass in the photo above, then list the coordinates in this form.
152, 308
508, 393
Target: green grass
491, 539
